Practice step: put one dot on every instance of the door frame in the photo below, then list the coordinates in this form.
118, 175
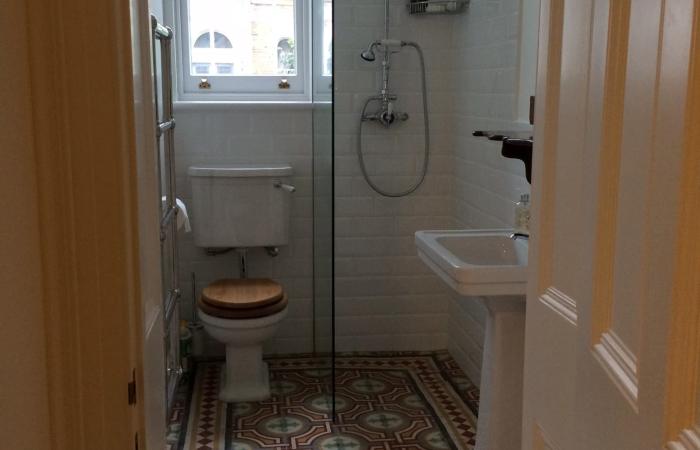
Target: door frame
83, 120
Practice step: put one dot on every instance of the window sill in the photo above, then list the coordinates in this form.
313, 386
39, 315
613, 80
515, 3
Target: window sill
244, 105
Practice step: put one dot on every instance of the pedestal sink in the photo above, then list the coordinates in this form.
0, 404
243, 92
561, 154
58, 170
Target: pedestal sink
490, 267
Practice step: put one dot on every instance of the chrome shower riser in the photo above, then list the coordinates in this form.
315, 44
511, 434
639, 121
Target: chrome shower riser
385, 115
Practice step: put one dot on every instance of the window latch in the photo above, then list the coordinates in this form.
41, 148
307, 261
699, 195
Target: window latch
204, 84
284, 84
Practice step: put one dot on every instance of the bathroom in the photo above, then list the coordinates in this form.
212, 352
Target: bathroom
384, 298
352, 224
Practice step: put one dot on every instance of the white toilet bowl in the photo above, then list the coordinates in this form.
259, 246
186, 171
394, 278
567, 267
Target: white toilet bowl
245, 376
243, 314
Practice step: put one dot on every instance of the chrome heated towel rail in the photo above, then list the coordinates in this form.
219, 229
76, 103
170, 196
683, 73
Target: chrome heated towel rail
165, 127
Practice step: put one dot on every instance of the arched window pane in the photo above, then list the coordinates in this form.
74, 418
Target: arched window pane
203, 41
221, 41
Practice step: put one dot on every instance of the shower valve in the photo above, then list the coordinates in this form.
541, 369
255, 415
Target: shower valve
386, 117
385, 114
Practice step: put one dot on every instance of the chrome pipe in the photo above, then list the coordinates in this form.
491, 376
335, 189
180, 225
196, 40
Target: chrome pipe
160, 31
164, 129
170, 305
386, 116
167, 219
386, 19
164, 126
168, 139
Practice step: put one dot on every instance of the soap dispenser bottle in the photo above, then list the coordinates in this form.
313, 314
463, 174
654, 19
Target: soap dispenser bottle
522, 215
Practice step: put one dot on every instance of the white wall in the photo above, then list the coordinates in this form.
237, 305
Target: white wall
386, 299
24, 417
226, 134
485, 54
485, 48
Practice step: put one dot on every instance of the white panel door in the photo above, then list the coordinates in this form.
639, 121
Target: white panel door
613, 308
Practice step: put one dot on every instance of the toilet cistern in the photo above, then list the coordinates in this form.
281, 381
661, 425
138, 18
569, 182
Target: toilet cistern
242, 207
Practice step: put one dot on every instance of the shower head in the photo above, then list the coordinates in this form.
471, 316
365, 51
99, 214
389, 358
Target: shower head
369, 55
386, 46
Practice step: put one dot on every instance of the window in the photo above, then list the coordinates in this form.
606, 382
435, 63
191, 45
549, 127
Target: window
200, 68
209, 49
323, 49
220, 41
286, 57
203, 41
244, 48
327, 40
255, 50
224, 69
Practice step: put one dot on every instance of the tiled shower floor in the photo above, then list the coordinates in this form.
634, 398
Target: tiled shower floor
405, 401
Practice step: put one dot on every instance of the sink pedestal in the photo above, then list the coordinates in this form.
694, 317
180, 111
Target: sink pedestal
490, 267
500, 404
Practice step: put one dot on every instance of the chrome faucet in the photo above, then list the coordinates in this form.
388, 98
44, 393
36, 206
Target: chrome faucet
516, 236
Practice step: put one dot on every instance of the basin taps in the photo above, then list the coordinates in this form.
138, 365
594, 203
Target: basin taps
516, 236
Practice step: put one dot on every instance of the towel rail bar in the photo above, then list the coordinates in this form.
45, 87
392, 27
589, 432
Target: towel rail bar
160, 31
167, 220
164, 129
171, 304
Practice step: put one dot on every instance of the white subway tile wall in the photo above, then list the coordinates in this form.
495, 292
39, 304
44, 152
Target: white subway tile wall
486, 185
386, 299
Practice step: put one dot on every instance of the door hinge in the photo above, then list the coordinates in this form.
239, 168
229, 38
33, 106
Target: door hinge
132, 388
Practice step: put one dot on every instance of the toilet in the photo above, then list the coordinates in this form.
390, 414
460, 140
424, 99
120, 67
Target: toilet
242, 207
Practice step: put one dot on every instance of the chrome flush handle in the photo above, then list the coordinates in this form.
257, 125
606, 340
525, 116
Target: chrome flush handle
287, 187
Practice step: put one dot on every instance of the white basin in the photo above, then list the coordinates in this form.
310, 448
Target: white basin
490, 267
476, 262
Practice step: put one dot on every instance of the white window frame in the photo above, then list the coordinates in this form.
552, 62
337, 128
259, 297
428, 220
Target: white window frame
259, 88
322, 84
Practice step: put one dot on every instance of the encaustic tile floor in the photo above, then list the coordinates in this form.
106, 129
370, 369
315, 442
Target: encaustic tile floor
385, 401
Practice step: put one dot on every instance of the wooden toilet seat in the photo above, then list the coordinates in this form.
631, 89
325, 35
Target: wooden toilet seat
242, 298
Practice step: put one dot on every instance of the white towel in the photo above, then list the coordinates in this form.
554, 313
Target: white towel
183, 219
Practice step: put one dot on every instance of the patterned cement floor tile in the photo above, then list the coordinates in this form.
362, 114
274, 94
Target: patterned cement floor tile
406, 401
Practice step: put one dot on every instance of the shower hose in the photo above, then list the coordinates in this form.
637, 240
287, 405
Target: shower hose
426, 121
